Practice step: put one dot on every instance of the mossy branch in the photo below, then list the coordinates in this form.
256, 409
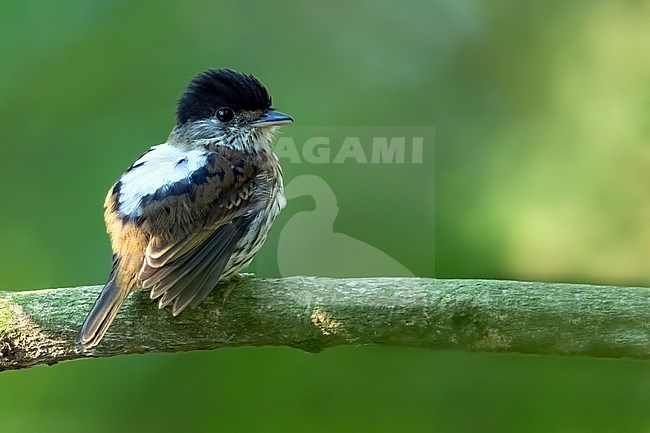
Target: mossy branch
313, 313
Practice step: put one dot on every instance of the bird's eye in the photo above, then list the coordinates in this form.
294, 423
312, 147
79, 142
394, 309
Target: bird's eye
225, 114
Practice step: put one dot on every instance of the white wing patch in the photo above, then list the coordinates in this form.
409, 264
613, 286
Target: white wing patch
162, 165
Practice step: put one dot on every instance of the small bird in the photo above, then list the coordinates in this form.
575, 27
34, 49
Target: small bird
196, 209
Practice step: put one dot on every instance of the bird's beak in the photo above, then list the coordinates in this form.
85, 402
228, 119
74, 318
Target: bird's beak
272, 118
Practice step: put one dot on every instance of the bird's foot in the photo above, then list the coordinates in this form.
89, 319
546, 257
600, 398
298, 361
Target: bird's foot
234, 281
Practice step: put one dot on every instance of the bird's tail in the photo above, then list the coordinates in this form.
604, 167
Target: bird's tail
103, 312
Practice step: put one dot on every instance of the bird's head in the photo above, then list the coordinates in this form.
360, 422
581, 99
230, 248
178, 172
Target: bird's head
221, 107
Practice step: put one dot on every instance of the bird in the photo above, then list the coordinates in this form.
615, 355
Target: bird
194, 210
308, 244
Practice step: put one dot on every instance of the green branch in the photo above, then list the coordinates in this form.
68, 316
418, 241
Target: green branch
313, 313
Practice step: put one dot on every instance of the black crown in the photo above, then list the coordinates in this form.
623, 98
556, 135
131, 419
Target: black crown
217, 88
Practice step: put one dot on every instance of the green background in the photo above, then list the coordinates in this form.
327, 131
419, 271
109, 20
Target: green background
541, 112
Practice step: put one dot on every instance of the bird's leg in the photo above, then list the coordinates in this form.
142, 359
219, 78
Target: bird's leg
234, 281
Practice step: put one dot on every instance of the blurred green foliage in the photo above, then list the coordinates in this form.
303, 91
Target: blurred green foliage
541, 112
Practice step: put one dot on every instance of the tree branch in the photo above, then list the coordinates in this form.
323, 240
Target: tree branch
313, 313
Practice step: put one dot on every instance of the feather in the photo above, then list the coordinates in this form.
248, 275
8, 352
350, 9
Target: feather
104, 310
190, 277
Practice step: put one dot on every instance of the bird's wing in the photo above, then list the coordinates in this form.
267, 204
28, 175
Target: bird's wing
186, 278
189, 248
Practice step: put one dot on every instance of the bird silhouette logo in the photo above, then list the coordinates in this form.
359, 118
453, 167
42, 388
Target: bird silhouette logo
308, 244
